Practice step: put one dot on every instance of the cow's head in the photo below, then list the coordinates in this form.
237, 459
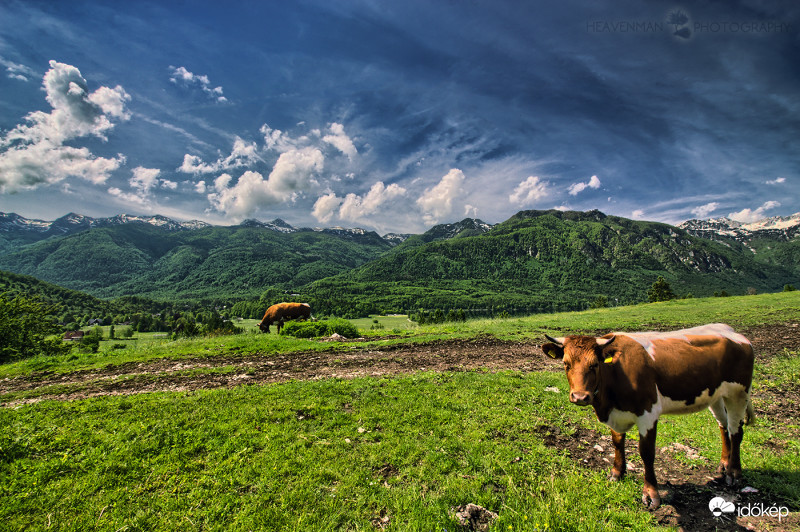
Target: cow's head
583, 359
264, 326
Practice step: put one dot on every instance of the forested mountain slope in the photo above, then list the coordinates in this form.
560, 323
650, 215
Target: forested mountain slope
209, 263
544, 260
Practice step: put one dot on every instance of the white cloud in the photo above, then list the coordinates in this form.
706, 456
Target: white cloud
200, 187
704, 210
144, 179
776, 181
142, 183
575, 188
275, 139
325, 207
16, 70
356, 207
340, 140
250, 192
221, 183
182, 75
437, 202
294, 173
637, 214
295, 170
242, 154
35, 153
529, 192
127, 197
750, 215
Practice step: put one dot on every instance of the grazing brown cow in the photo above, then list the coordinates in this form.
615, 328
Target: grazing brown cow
283, 312
632, 378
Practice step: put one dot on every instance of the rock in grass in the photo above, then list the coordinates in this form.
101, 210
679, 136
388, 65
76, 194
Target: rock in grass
475, 517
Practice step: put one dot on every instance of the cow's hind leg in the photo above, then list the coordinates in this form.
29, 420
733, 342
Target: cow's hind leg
721, 415
647, 450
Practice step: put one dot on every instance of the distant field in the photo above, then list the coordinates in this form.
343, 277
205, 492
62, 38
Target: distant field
385, 324
393, 452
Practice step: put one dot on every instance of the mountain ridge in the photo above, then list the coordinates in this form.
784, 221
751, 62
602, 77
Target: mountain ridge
782, 227
533, 261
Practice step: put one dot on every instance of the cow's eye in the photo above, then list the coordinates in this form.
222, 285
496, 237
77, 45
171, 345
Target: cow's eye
567, 365
593, 366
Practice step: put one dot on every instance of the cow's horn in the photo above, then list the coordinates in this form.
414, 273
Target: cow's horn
558, 341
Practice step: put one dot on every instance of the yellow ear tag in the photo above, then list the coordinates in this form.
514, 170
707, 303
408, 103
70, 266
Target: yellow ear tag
551, 354
609, 360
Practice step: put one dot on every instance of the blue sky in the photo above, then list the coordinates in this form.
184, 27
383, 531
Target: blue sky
397, 115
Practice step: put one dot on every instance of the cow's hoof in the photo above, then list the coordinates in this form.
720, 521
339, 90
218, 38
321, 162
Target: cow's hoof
616, 477
732, 479
651, 499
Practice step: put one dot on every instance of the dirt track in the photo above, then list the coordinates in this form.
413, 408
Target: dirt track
484, 352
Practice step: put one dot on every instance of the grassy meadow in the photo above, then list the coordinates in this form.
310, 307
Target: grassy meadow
393, 453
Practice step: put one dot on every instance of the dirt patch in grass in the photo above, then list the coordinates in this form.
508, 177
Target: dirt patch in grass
687, 481
228, 370
481, 353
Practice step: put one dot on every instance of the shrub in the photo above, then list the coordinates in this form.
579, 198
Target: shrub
313, 329
599, 302
26, 325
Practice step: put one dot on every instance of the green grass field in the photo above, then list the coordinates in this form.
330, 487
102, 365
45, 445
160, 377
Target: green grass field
396, 453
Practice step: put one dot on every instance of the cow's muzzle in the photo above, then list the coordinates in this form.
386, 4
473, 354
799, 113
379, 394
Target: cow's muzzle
580, 398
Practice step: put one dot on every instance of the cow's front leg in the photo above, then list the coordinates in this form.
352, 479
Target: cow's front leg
647, 450
725, 458
734, 469
620, 466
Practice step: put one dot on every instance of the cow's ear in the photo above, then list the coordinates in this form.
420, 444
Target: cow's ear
553, 351
604, 343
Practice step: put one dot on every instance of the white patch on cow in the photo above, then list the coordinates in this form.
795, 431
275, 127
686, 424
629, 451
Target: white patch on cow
645, 339
620, 420
733, 396
718, 329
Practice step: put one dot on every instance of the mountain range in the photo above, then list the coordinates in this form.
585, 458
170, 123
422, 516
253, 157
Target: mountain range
777, 228
534, 261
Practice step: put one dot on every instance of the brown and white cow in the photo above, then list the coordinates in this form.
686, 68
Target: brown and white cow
283, 312
633, 378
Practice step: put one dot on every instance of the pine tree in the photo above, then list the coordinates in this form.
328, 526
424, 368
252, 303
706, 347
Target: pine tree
660, 291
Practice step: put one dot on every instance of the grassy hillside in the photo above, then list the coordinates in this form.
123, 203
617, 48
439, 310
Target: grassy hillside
393, 453
543, 261
213, 263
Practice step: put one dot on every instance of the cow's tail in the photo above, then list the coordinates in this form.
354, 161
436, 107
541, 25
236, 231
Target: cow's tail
750, 416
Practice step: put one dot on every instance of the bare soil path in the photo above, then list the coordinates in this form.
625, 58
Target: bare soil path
483, 352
